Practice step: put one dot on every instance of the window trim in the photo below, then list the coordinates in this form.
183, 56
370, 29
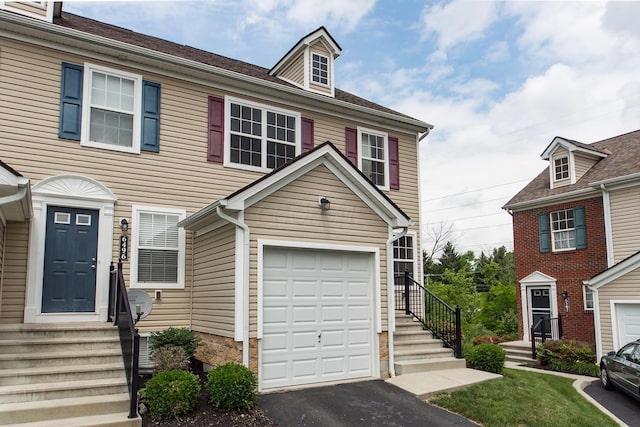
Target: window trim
135, 214
228, 100
361, 130
319, 55
552, 232
585, 291
86, 109
413, 236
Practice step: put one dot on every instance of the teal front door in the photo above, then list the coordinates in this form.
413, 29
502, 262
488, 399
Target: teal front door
70, 253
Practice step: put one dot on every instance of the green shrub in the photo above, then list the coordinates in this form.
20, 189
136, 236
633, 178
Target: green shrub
171, 394
471, 331
486, 357
170, 359
490, 339
507, 324
175, 337
570, 356
232, 387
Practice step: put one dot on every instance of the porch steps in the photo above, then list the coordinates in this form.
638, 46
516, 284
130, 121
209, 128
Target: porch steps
415, 349
518, 352
62, 374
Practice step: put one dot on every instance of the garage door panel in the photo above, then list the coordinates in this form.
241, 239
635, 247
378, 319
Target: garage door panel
326, 294
628, 322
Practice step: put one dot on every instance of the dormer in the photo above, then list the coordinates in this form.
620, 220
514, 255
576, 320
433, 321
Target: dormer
570, 160
310, 63
44, 10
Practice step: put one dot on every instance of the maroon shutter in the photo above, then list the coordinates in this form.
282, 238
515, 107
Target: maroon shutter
307, 134
351, 145
394, 164
215, 152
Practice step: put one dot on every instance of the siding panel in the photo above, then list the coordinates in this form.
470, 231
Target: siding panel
625, 217
14, 274
624, 289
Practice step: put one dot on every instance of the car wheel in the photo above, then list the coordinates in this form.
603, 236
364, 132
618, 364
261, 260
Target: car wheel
605, 380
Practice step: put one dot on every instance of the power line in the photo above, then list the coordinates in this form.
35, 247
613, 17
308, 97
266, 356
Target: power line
485, 226
463, 206
467, 217
477, 189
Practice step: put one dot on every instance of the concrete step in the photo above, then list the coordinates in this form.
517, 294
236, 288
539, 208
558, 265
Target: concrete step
425, 365
49, 374
66, 343
521, 360
61, 390
422, 354
55, 330
517, 347
106, 420
60, 358
417, 344
410, 335
55, 409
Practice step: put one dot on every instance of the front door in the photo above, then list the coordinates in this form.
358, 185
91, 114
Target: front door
540, 309
71, 249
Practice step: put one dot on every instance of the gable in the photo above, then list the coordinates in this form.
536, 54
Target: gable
537, 277
615, 272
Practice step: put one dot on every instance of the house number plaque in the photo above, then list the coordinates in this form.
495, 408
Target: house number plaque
124, 248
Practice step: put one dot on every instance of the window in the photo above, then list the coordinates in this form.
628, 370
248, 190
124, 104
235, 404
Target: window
111, 109
158, 248
403, 255
588, 298
261, 138
319, 69
561, 168
373, 156
563, 230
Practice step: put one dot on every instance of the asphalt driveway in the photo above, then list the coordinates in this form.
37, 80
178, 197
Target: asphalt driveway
623, 406
366, 403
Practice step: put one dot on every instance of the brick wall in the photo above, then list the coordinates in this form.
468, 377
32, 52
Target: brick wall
570, 268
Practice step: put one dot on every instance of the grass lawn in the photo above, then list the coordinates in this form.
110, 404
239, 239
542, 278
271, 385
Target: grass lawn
524, 398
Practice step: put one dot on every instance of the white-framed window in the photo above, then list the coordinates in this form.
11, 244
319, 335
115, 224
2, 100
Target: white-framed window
404, 255
588, 298
561, 168
259, 137
373, 156
157, 248
111, 109
563, 230
319, 69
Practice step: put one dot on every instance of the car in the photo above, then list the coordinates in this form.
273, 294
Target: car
621, 370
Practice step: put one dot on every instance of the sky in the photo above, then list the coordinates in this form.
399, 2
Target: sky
498, 80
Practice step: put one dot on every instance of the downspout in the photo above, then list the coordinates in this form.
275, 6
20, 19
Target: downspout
391, 318
606, 201
14, 197
193, 282
596, 318
4, 256
245, 284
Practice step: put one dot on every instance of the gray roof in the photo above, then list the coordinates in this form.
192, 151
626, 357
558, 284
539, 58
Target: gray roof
623, 159
76, 22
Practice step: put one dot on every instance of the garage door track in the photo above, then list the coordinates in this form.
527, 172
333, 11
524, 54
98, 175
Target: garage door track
366, 403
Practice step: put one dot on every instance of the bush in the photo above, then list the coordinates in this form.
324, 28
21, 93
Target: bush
175, 337
489, 339
171, 394
170, 359
232, 387
486, 357
471, 331
507, 324
570, 356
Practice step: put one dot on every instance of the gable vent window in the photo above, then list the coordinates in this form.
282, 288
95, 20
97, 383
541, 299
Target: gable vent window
320, 69
561, 168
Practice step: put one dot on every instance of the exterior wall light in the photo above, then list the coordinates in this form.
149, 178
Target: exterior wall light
325, 204
565, 297
124, 225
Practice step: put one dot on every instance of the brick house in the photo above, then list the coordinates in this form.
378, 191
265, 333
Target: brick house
577, 219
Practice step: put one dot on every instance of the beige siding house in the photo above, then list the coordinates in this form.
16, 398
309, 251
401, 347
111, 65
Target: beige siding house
243, 201
585, 239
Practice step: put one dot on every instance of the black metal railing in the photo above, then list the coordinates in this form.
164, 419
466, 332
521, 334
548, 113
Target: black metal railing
434, 314
547, 328
121, 316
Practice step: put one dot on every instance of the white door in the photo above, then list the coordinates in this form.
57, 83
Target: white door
628, 319
317, 317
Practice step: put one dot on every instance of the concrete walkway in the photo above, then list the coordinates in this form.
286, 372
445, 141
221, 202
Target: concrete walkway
425, 384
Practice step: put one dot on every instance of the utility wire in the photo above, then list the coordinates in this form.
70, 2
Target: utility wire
477, 189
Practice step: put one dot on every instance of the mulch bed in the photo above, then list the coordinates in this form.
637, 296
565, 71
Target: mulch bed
204, 414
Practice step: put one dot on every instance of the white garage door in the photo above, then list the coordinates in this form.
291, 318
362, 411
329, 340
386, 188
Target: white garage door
317, 321
628, 319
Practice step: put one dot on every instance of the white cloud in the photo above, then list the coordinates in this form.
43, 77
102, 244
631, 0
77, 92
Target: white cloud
459, 21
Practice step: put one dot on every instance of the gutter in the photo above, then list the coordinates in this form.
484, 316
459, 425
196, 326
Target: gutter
391, 318
543, 201
244, 262
339, 106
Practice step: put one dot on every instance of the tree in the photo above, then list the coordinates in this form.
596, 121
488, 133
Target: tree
438, 235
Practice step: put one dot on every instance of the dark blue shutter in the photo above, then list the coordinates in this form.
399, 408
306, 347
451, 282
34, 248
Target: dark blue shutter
70, 120
581, 233
543, 231
150, 117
